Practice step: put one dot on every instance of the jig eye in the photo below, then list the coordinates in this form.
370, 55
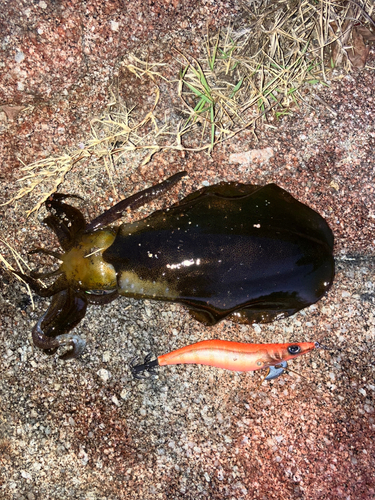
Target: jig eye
294, 349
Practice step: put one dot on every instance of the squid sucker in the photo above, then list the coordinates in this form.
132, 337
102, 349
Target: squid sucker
249, 253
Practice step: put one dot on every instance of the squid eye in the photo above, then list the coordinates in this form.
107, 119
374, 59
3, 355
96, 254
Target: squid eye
294, 349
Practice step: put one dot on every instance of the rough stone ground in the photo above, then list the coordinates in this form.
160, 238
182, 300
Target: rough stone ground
84, 429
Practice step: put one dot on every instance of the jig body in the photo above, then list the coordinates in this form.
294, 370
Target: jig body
234, 356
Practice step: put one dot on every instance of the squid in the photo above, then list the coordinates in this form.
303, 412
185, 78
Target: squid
248, 253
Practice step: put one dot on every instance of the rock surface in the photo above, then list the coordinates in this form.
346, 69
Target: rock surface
84, 429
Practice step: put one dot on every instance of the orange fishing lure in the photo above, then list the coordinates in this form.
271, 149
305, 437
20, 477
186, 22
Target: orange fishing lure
235, 356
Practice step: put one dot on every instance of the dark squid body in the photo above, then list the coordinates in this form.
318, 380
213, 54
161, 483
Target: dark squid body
249, 253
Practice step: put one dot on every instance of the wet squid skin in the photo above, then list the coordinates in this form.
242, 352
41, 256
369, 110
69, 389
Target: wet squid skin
245, 252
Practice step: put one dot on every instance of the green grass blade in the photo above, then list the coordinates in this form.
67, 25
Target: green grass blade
198, 93
236, 88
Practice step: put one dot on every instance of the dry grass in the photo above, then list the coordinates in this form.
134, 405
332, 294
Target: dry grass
279, 50
19, 261
112, 135
267, 63
282, 31
118, 132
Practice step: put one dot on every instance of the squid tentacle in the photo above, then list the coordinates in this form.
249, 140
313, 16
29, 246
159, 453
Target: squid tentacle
51, 344
58, 286
133, 202
67, 221
65, 312
102, 300
37, 275
45, 251
61, 230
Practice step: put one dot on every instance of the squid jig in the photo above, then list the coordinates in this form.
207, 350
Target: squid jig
234, 356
